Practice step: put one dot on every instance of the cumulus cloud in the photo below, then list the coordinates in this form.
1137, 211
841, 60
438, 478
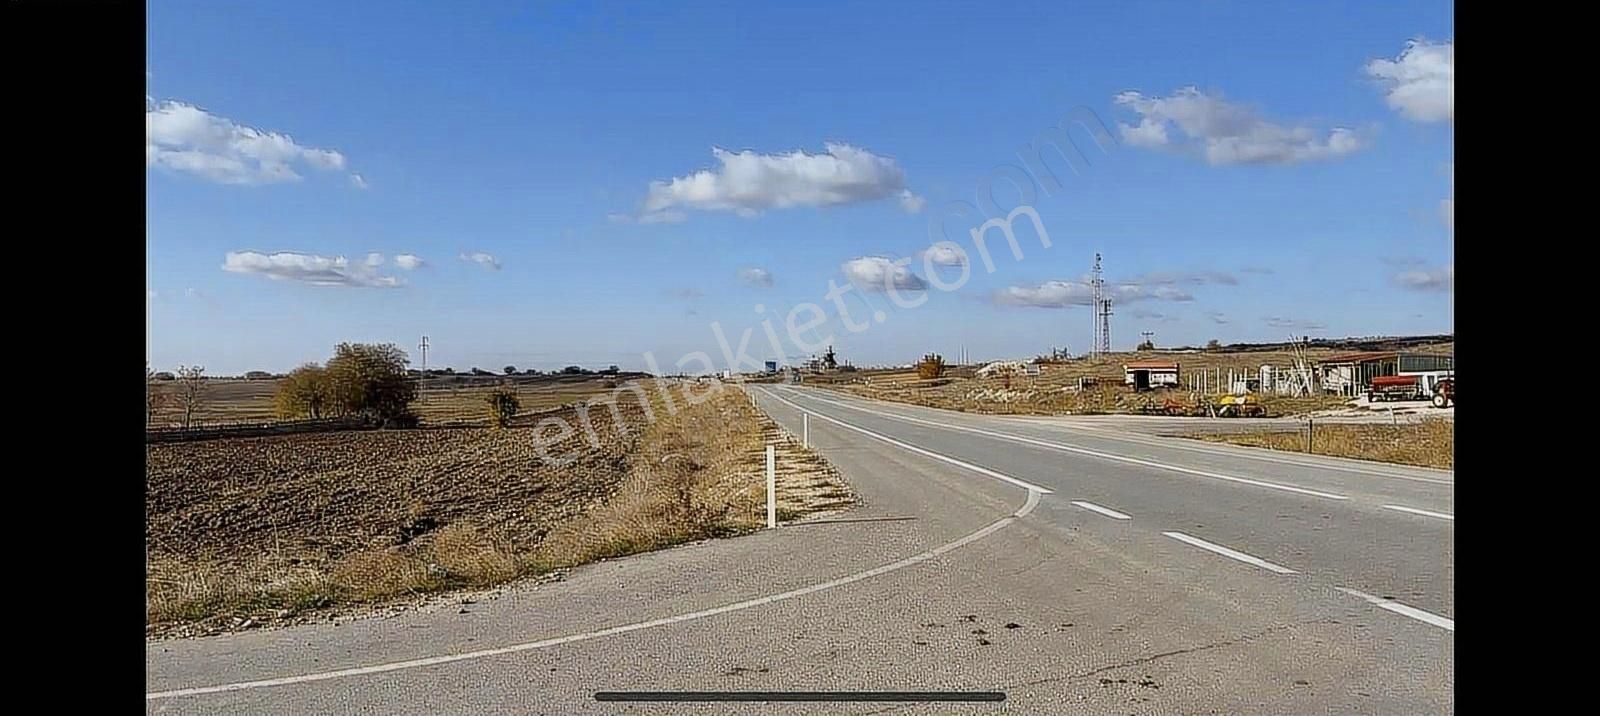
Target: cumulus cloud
409, 262
1439, 279
748, 183
879, 273
1420, 84
310, 268
480, 258
756, 277
944, 254
1226, 133
184, 138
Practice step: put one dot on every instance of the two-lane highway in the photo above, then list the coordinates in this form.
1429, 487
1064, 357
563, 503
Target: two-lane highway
1077, 570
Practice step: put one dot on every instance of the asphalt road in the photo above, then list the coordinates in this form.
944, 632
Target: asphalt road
1077, 567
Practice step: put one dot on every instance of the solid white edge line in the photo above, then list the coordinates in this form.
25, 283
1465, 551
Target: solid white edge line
1179, 442
920, 451
1108, 512
1027, 507
1232, 554
1398, 608
1082, 451
1415, 511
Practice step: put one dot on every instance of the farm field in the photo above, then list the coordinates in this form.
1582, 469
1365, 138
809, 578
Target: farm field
261, 530
441, 401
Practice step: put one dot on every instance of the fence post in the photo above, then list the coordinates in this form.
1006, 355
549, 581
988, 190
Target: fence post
772, 489
1310, 428
805, 429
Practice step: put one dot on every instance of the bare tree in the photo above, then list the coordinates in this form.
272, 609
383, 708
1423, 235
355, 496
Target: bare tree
191, 391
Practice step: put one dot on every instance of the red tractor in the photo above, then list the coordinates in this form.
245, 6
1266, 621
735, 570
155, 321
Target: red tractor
1444, 393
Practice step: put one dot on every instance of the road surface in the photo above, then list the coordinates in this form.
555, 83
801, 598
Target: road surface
1078, 568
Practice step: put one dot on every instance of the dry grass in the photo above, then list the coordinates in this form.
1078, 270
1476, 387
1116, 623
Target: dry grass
1428, 443
215, 565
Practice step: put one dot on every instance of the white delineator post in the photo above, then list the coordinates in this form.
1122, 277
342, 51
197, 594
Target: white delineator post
772, 488
805, 429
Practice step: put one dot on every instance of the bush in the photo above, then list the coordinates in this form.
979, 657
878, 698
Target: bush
931, 366
307, 392
370, 381
503, 405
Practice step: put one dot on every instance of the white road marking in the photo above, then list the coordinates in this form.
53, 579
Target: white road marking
1415, 511
991, 528
1398, 608
920, 451
1232, 554
1081, 451
1092, 507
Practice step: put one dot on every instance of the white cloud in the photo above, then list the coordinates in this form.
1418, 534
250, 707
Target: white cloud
185, 138
1439, 279
1153, 286
1302, 324
1226, 133
374, 260
911, 202
482, 259
756, 277
878, 273
1150, 287
358, 182
409, 262
748, 183
943, 254
310, 268
1217, 317
1421, 83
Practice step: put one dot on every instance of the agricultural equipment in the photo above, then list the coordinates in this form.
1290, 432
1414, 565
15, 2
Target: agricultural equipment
1240, 406
1444, 392
1394, 387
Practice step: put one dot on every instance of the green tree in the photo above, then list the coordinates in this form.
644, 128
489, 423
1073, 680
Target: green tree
307, 392
1213, 344
370, 381
511, 370
503, 405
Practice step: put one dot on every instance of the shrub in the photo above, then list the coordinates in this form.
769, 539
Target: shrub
931, 366
503, 405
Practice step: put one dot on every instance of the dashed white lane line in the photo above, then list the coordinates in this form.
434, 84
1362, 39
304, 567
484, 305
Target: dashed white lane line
1108, 512
991, 528
1071, 449
1415, 511
920, 451
1398, 608
1229, 553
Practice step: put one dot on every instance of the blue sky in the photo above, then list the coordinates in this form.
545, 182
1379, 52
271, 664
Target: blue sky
1277, 170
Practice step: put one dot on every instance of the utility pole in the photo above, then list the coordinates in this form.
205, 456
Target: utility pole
423, 346
1097, 289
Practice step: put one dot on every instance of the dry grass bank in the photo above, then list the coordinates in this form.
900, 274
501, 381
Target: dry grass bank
1428, 443
249, 531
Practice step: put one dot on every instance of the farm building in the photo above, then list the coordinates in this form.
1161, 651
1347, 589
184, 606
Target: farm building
1147, 374
1352, 373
